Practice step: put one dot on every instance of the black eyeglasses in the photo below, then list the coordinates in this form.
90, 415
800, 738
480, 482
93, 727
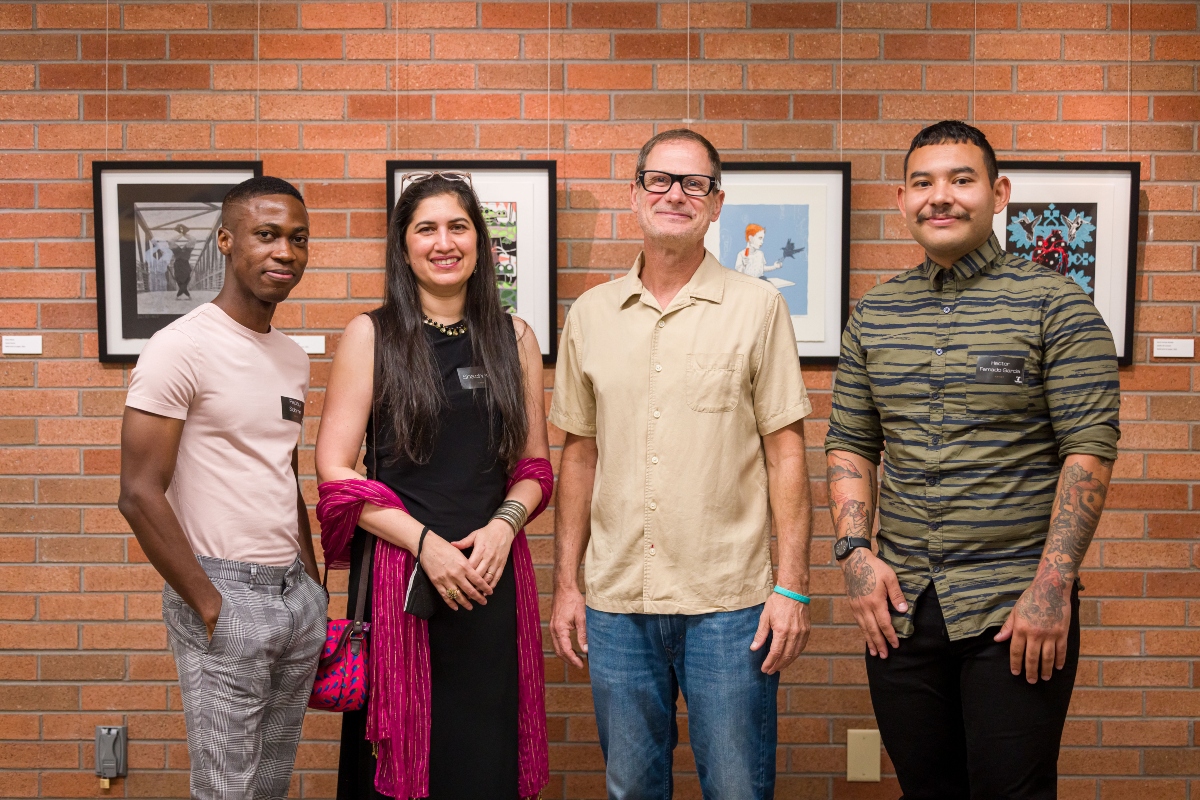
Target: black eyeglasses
692, 185
417, 177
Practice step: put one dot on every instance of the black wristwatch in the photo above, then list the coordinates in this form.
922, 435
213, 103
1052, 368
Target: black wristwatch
846, 545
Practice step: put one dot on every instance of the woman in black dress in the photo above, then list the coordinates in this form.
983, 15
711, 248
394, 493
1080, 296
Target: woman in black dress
448, 390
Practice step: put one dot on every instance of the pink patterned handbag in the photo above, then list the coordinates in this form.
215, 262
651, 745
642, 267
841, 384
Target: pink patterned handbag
341, 683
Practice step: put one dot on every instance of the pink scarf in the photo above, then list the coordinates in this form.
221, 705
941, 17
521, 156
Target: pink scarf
398, 703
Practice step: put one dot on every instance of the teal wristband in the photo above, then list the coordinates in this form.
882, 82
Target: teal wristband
788, 593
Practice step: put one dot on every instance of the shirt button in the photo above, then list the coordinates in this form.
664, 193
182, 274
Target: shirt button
652, 549
662, 323
932, 480
945, 309
653, 506
656, 414
937, 568
653, 459
658, 367
938, 351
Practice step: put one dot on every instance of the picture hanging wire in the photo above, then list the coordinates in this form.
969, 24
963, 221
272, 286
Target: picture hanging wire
106, 79
257, 78
840, 70
974, 39
396, 80
1129, 80
548, 80
687, 111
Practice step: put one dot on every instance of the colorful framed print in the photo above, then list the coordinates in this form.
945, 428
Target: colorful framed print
519, 203
156, 244
1079, 218
788, 223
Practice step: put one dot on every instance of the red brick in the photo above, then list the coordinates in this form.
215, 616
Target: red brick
521, 15
883, 15
653, 46
974, 16
1105, 47
17, 17
1059, 137
1060, 77
1064, 15
610, 76
122, 107
569, 45
927, 46
1177, 48
292, 45
388, 46
342, 15
924, 107
254, 15
41, 106
171, 76
613, 15
157, 16
789, 136
832, 46
122, 46
476, 46
882, 76
478, 106
518, 76
36, 47
746, 46
788, 15
73, 76
1017, 46
656, 105
746, 106
437, 14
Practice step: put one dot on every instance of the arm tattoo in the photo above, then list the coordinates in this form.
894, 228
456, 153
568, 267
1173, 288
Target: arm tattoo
860, 575
840, 469
1080, 502
855, 513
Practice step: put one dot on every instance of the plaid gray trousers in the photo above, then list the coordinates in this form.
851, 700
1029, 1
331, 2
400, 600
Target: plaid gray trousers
245, 691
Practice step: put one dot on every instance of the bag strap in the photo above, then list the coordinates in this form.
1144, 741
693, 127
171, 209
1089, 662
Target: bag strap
364, 573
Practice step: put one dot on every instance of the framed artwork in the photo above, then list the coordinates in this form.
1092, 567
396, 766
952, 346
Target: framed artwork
156, 244
788, 223
1079, 218
519, 202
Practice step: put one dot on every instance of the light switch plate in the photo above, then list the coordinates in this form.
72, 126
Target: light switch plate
313, 345
1174, 348
862, 756
23, 345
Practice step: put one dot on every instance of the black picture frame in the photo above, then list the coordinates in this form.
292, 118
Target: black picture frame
129, 308
1110, 189
542, 312
836, 178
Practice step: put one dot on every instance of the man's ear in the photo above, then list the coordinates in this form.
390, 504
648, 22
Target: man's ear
718, 205
1001, 192
900, 201
224, 240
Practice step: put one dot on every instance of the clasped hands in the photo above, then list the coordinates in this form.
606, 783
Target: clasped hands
460, 579
1037, 626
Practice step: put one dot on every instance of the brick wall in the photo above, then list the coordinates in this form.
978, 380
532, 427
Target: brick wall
80, 639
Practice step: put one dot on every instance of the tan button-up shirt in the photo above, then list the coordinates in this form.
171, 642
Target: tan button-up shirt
678, 400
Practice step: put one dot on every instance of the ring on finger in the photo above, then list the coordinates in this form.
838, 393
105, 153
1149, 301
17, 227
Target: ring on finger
452, 594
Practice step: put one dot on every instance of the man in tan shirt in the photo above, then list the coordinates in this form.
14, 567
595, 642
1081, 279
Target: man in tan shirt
680, 391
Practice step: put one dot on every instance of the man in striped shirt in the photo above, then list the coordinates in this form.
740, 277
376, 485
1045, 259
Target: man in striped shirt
990, 385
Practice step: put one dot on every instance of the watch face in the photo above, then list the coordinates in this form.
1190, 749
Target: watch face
840, 548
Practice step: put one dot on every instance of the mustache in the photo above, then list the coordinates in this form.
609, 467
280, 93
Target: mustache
927, 215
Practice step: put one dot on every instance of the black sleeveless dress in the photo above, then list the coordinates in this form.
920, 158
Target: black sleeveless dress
472, 654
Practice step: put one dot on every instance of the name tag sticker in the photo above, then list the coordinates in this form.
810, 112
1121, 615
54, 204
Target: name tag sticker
472, 377
293, 409
1005, 370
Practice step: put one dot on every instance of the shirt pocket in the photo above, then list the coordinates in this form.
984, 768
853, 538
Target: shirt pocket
997, 379
714, 381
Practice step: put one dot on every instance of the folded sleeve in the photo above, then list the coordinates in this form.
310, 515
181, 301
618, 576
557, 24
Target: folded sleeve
780, 397
166, 376
1079, 371
854, 424
573, 408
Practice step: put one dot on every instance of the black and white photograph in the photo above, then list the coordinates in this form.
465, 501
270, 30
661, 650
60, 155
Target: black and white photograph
156, 245
1079, 218
788, 223
518, 199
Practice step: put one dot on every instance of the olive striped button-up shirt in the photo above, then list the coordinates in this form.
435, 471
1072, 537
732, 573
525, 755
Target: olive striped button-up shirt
976, 382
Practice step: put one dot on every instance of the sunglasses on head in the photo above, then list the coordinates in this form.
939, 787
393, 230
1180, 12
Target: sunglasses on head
409, 178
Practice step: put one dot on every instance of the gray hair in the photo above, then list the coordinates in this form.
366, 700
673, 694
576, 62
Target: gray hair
681, 135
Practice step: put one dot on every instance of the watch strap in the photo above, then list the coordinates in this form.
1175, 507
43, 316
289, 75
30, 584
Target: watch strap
852, 544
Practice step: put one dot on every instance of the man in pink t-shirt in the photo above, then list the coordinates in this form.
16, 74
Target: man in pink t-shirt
213, 417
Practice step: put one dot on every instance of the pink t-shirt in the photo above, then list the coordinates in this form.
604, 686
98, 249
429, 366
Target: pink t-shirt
241, 394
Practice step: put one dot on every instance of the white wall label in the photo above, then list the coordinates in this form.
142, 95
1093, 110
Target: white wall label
23, 345
1163, 348
313, 345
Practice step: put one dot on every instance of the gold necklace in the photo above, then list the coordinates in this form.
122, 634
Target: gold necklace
456, 329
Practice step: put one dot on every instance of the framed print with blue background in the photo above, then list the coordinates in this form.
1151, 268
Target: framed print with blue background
156, 244
519, 203
788, 223
1079, 218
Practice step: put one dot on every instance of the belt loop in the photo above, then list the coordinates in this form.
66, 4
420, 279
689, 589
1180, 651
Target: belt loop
253, 571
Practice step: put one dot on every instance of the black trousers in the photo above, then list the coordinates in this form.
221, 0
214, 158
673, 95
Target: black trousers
958, 725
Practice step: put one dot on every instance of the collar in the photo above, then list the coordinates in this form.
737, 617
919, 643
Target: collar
969, 265
707, 283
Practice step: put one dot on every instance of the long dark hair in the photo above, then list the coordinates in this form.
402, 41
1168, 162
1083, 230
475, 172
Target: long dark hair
412, 388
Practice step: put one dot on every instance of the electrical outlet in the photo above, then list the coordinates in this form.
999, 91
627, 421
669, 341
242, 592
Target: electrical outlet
862, 756
111, 751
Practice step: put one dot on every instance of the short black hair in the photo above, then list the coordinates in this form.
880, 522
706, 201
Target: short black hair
257, 187
681, 135
953, 131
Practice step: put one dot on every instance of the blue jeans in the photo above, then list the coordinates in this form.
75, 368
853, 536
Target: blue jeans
640, 662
